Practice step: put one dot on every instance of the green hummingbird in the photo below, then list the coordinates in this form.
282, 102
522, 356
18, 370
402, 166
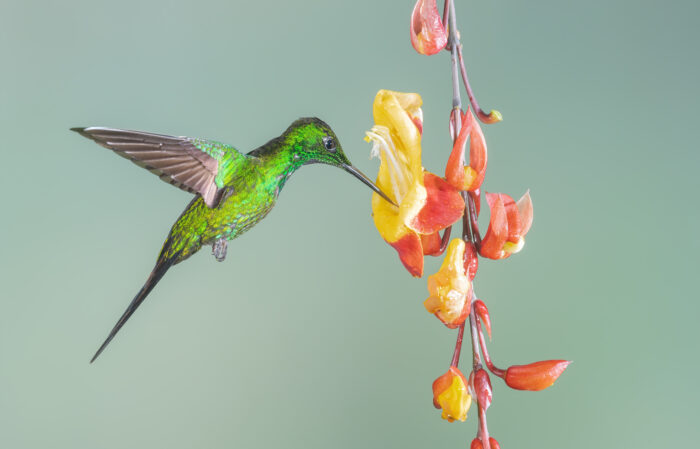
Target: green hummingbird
234, 191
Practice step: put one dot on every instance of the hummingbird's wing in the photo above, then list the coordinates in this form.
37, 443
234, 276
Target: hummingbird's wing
188, 163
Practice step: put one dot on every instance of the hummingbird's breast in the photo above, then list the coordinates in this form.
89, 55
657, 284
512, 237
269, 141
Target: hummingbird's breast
240, 210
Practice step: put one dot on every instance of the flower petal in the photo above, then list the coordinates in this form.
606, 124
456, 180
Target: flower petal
406, 242
471, 177
431, 244
525, 209
478, 156
443, 206
411, 253
428, 36
497, 232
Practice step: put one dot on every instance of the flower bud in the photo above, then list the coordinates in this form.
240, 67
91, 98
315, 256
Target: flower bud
450, 393
477, 444
470, 177
482, 388
483, 312
471, 260
450, 289
428, 35
535, 376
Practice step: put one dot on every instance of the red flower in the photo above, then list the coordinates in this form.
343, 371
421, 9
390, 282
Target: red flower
509, 223
470, 177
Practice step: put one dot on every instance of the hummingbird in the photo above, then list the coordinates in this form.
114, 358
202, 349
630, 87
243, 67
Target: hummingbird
233, 191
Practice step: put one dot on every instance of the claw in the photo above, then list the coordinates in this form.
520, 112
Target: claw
218, 249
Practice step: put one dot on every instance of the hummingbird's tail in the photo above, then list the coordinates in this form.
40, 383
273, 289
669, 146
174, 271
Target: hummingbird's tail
165, 261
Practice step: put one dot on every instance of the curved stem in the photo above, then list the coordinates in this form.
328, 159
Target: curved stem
487, 359
491, 117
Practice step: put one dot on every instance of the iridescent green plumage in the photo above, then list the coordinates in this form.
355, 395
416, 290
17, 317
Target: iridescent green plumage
234, 190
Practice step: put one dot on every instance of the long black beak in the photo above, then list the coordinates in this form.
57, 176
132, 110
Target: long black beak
368, 182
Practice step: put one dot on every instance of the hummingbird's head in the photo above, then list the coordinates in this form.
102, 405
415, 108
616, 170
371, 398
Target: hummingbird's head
312, 141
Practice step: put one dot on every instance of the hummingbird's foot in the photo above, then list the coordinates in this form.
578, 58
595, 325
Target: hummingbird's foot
218, 249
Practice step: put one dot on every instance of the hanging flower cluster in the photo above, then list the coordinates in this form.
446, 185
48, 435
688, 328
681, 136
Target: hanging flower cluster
428, 204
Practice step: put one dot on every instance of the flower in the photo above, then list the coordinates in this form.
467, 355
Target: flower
509, 223
470, 177
535, 376
450, 289
450, 393
428, 35
426, 202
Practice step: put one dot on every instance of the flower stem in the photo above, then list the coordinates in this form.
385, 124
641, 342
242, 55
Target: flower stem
484, 117
458, 345
469, 224
487, 359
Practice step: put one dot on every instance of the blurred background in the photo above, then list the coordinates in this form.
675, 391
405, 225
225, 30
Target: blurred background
311, 334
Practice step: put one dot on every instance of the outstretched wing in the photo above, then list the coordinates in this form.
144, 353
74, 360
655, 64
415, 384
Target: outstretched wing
188, 163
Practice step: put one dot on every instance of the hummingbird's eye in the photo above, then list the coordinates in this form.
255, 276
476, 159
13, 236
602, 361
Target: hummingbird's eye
329, 143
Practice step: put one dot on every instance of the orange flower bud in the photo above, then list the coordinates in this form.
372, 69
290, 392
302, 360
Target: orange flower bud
477, 444
428, 35
482, 388
450, 393
483, 312
535, 376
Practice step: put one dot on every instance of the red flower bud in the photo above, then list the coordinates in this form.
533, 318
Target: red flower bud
482, 387
471, 262
535, 376
428, 36
477, 444
483, 312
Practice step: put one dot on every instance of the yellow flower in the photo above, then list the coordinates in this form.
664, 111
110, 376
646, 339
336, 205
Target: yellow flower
450, 295
426, 202
450, 393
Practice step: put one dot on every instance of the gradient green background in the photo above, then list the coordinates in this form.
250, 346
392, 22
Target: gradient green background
311, 334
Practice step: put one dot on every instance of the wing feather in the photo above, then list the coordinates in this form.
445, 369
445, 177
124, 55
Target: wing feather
176, 160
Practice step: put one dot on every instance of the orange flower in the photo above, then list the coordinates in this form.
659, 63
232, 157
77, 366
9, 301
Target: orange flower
450, 289
508, 225
470, 177
428, 36
426, 202
450, 393
535, 376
